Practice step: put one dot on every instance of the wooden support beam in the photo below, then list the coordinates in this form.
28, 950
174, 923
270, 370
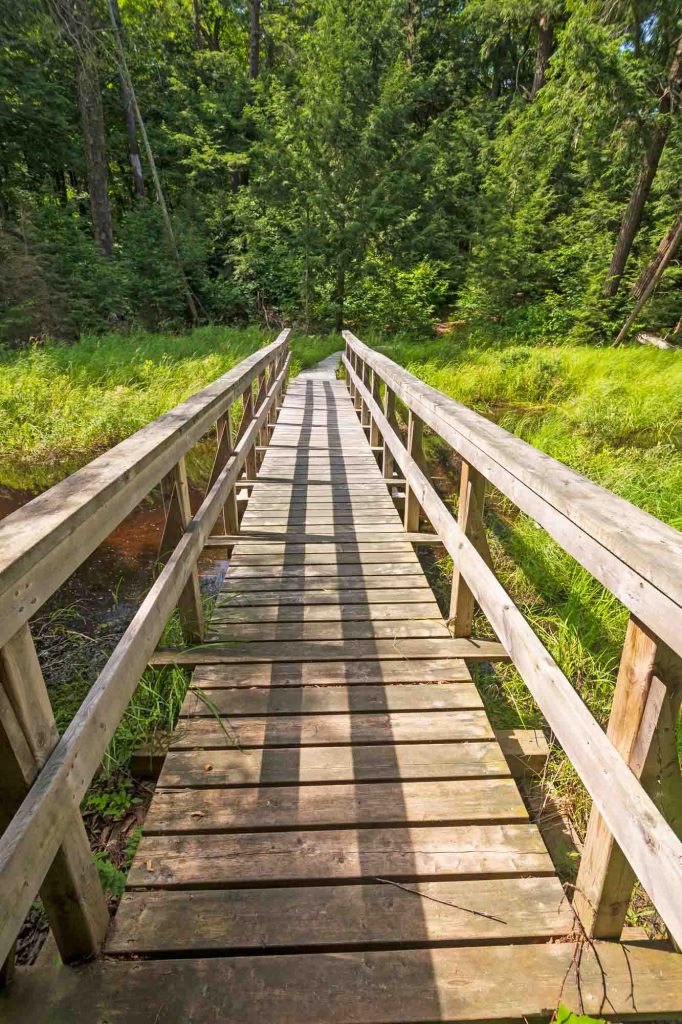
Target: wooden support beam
71, 892
470, 520
642, 728
178, 518
374, 436
415, 448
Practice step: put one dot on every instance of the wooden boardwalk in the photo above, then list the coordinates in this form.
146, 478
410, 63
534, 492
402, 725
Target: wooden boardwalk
335, 740
336, 836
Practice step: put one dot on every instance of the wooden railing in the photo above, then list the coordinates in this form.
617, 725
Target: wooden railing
632, 772
44, 778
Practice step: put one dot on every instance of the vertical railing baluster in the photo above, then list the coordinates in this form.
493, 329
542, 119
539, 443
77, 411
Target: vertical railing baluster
470, 519
642, 727
415, 447
388, 463
374, 435
178, 516
71, 892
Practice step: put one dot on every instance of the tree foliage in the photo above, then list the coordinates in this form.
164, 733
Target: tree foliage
383, 163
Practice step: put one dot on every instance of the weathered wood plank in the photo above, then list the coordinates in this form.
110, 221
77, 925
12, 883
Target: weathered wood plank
312, 765
312, 598
272, 651
322, 730
264, 809
340, 916
259, 858
279, 573
261, 631
332, 673
206, 701
381, 987
326, 613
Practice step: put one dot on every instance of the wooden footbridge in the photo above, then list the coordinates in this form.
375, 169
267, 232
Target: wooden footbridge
336, 834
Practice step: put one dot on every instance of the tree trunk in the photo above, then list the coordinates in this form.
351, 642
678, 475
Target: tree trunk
254, 38
670, 240
94, 139
129, 114
340, 297
632, 218
196, 11
543, 52
75, 21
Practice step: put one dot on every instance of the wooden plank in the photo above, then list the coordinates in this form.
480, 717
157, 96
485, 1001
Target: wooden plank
326, 613
637, 557
386, 804
327, 596
322, 537
330, 557
279, 573
340, 917
263, 858
334, 730
329, 583
332, 673
429, 648
479, 983
206, 701
261, 631
42, 543
654, 852
314, 765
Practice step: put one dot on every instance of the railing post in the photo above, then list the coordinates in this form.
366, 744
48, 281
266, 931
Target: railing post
247, 416
642, 728
260, 398
374, 435
228, 520
359, 368
178, 517
389, 412
71, 892
415, 448
470, 520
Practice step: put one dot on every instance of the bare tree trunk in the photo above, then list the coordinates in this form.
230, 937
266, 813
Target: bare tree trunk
632, 218
75, 20
411, 29
543, 52
254, 38
129, 113
671, 239
170, 234
196, 11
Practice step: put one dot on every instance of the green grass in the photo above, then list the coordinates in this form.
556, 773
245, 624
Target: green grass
60, 405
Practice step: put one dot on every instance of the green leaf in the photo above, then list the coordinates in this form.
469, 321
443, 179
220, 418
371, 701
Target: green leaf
566, 1016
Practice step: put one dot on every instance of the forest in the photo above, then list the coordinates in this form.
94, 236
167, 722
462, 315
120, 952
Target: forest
386, 164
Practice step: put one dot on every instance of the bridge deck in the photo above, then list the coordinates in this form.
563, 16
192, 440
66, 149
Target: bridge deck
338, 746
336, 835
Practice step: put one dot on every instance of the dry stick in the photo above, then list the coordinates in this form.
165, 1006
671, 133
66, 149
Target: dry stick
125, 73
674, 242
434, 899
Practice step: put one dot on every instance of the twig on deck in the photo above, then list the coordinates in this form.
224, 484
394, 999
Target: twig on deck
434, 899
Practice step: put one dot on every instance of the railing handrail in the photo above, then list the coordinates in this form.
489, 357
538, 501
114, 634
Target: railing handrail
633, 554
46, 540
645, 837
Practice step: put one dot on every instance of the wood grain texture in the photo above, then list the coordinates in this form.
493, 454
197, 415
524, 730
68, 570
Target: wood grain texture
307, 651
266, 858
265, 809
204, 702
344, 916
331, 673
312, 765
321, 730
382, 987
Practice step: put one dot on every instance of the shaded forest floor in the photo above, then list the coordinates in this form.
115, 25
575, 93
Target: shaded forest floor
614, 415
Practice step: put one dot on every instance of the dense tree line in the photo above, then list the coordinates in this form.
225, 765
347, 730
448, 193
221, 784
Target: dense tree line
382, 163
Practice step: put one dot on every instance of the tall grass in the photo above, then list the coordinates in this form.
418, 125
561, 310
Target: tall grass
60, 405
